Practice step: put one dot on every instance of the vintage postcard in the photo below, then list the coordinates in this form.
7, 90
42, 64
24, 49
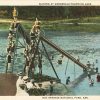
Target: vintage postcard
50, 49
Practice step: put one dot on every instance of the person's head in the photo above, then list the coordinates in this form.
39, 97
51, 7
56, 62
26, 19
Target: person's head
51, 81
13, 35
28, 58
36, 19
40, 85
10, 34
68, 77
10, 31
9, 52
28, 80
20, 74
25, 78
88, 61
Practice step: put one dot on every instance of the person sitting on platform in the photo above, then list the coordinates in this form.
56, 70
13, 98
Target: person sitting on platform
20, 86
20, 82
29, 87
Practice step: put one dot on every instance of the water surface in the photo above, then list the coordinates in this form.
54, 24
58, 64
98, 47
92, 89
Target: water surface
84, 45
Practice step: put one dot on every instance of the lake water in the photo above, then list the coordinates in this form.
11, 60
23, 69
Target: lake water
84, 45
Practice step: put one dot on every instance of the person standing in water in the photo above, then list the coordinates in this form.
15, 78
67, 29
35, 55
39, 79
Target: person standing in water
68, 80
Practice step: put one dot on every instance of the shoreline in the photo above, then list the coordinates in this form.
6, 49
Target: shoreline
68, 25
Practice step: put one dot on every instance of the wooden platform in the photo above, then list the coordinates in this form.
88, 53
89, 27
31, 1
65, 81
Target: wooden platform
8, 84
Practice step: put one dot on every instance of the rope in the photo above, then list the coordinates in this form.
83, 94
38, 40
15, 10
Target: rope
50, 60
74, 72
66, 66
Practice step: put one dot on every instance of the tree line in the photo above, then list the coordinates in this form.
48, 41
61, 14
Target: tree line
49, 12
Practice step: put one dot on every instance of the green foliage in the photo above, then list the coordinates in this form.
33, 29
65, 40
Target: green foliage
49, 12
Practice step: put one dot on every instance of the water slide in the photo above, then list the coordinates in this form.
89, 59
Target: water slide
43, 38
62, 52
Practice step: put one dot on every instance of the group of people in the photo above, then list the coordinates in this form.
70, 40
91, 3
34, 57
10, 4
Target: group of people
35, 31
91, 80
30, 86
26, 84
11, 40
32, 54
89, 65
11, 45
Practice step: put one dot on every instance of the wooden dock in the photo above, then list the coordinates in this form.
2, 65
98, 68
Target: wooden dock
7, 84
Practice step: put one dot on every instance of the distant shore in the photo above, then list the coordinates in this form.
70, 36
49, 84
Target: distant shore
90, 24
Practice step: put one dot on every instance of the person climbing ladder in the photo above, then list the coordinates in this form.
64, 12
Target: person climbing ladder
9, 62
